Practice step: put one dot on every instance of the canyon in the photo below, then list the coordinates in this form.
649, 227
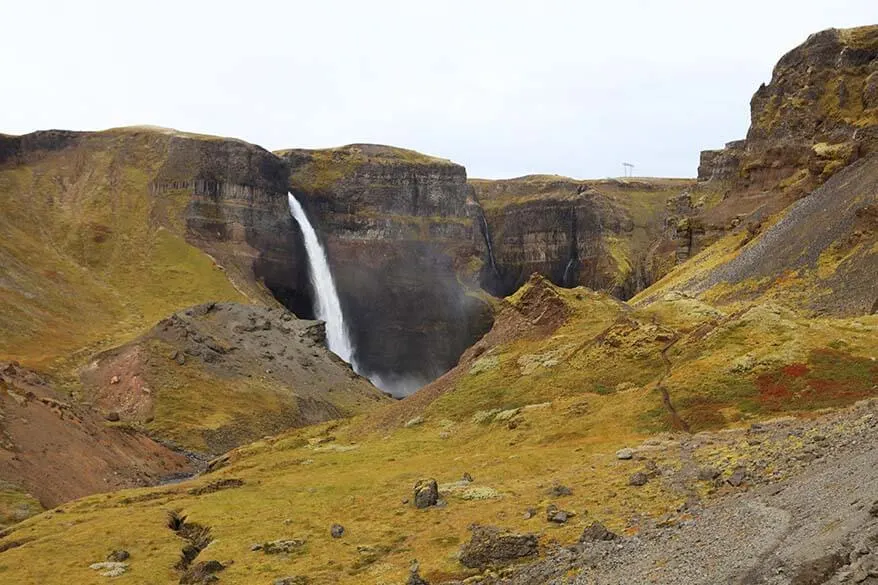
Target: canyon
584, 372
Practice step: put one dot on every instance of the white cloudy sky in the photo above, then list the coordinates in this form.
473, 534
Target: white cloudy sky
505, 87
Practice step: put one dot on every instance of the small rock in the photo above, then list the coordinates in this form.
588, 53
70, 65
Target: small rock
292, 580
114, 380
415, 575
113, 416
117, 556
638, 479
426, 493
597, 532
625, 454
337, 531
738, 477
418, 420
530, 513
556, 515
707, 474
467, 478
873, 511
559, 490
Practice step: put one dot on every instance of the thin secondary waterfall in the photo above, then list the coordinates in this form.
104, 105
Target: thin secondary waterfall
487, 235
326, 305
570, 264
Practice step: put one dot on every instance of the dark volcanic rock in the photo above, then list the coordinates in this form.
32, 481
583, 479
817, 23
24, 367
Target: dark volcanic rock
556, 515
638, 479
426, 493
597, 532
117, 556
491, 546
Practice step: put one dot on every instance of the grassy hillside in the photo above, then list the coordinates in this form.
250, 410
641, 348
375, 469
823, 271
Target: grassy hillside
89, 258
565, 378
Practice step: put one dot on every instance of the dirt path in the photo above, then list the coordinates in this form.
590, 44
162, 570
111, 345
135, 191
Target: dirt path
677, 422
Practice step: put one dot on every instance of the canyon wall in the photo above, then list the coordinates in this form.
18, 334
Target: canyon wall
615, 235
398, 228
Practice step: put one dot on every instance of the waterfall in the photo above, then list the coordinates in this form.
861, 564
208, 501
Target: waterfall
326, 303
570, 264
487, 235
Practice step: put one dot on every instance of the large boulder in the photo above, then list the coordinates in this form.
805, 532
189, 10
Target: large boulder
426, 493
491, 546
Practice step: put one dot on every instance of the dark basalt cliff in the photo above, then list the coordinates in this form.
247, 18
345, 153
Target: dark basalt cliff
398, 228
612, 235
238, 213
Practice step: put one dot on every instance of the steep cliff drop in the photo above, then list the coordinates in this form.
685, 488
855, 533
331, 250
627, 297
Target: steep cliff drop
326, 306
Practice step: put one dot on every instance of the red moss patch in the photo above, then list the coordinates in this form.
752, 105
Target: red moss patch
795, 370
830, 379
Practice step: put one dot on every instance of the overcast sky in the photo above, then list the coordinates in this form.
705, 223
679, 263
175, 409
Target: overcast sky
504, 87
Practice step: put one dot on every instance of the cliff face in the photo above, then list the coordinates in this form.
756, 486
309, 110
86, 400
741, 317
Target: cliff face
796, 218
398, 229
613, 235
818, 114
92, 252
125, 212
238, 213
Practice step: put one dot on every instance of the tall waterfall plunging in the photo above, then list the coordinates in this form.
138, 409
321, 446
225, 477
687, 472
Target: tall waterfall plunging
326, 305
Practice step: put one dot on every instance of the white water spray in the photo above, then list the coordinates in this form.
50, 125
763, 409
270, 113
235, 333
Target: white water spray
327, 306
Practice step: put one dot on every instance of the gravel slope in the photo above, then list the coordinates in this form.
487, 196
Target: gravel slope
817, 526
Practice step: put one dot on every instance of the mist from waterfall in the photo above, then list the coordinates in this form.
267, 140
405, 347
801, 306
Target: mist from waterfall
326, 306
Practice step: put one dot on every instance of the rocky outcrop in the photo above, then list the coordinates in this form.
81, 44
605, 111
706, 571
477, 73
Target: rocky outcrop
809, 153
238, 212
818, 114
822, 254
400, 237
612, 235
218, 375
491, 546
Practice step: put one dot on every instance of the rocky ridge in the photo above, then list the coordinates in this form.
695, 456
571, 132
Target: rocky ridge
219, 375
818, 114
56, 450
